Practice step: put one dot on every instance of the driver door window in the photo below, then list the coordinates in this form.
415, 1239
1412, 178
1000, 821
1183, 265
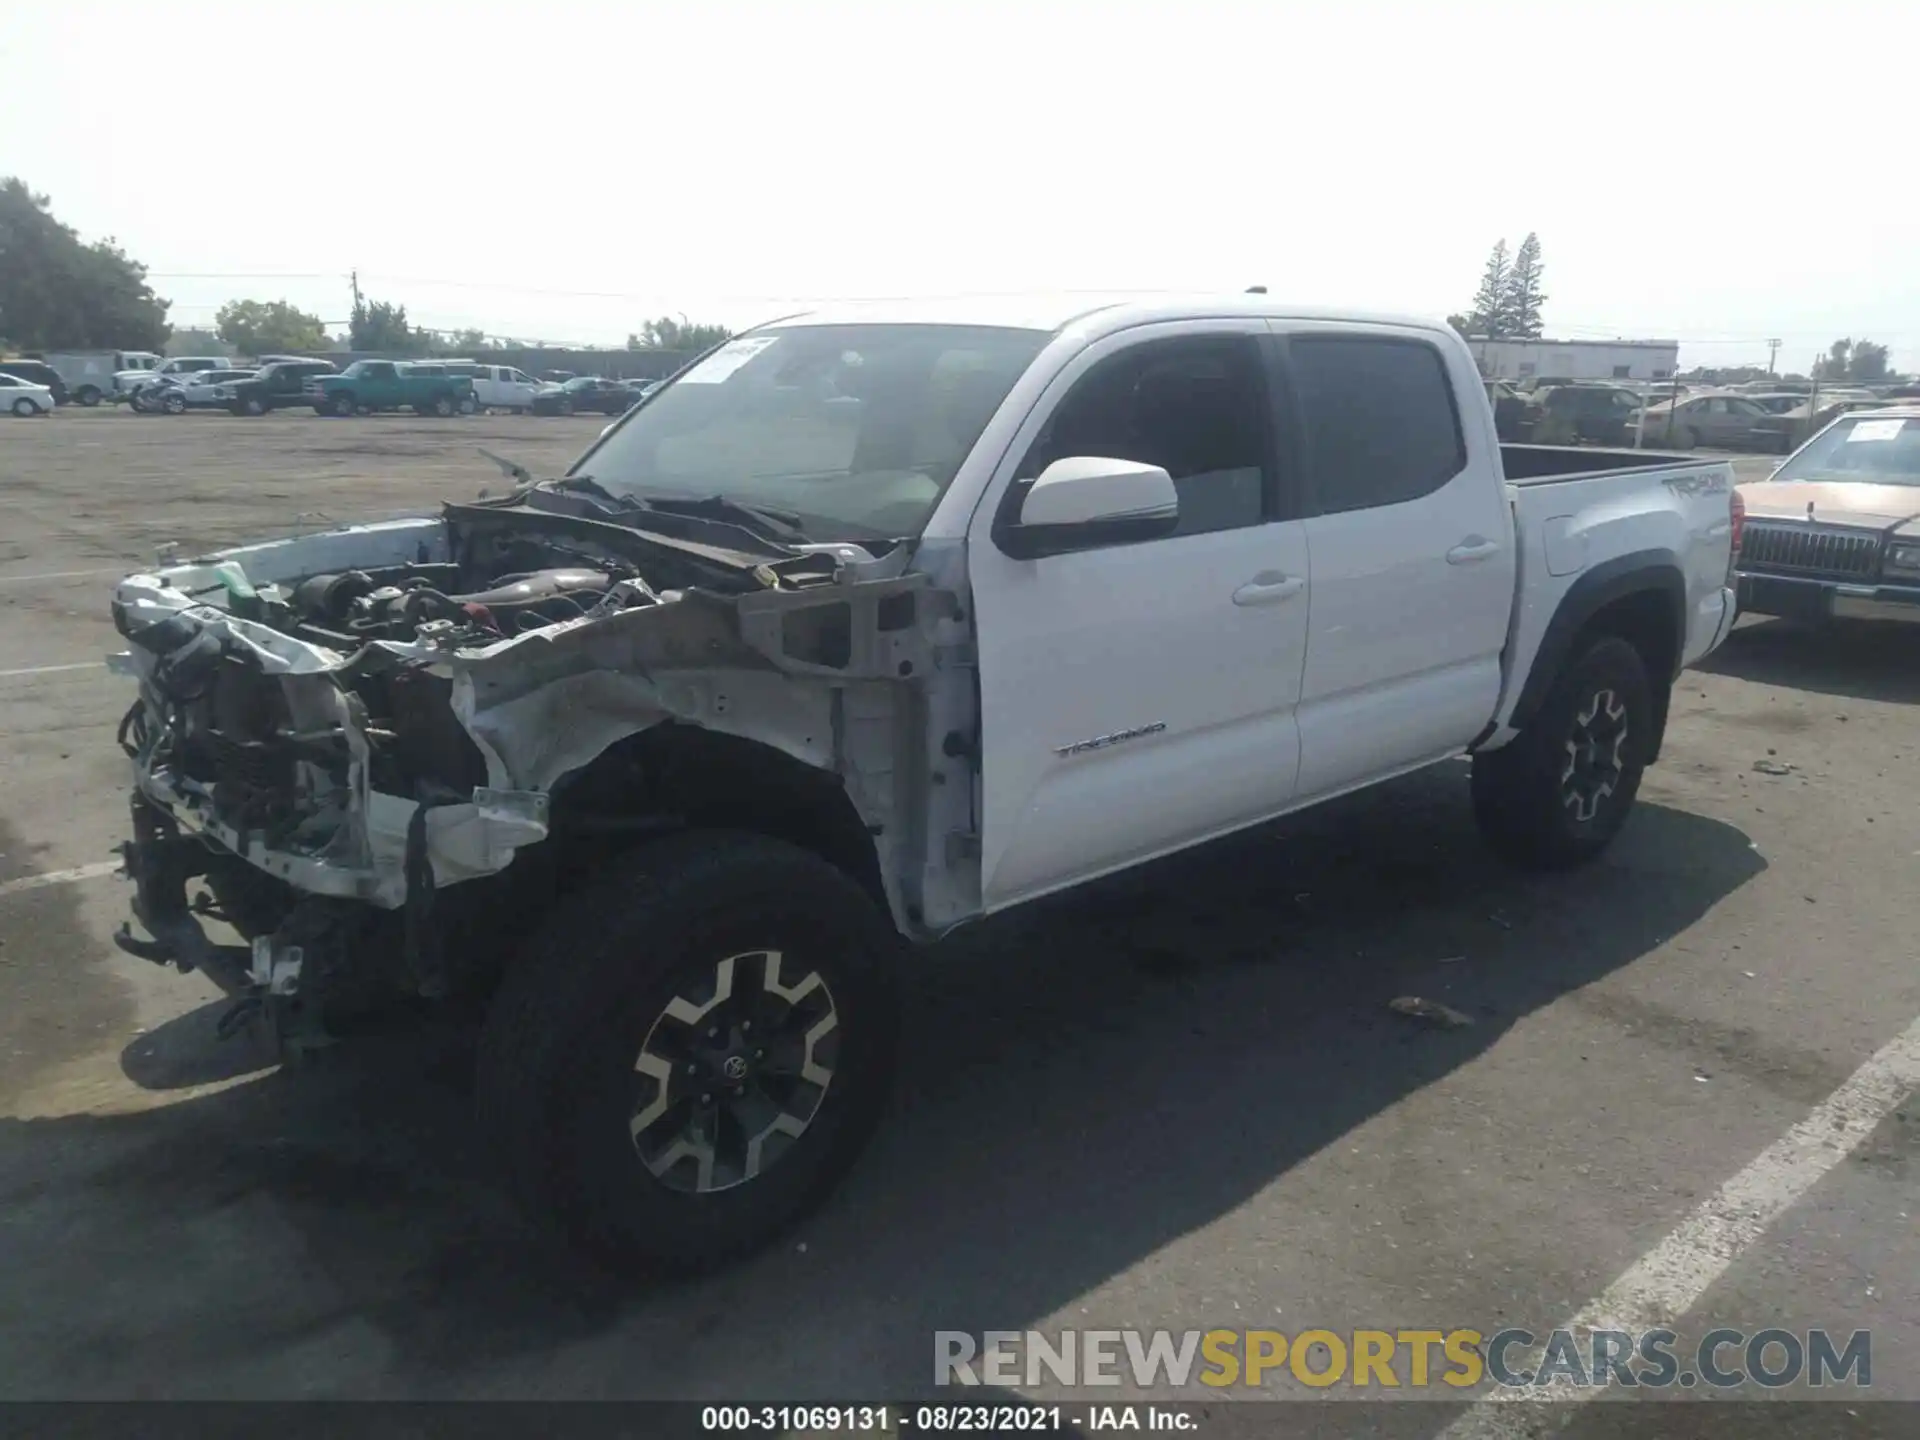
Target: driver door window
1196, 408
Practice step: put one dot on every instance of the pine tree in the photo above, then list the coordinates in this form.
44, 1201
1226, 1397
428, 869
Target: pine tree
1487, 316
1523, 294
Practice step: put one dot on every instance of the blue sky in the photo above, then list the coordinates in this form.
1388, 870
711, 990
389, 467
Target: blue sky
563, 172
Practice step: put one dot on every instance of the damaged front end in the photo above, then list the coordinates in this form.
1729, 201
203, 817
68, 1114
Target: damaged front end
349, 737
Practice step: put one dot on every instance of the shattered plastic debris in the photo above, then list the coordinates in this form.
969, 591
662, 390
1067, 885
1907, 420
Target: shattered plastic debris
1431, 1011
1772, 767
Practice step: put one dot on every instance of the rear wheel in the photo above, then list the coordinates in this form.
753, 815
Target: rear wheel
443, 406
469, 405
693, 1051
88, 395
24, 407
1558, 793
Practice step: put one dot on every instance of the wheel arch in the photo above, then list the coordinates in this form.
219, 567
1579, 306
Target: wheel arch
1640, 597
673, 777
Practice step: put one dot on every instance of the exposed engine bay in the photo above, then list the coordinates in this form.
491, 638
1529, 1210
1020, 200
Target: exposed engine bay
367, 716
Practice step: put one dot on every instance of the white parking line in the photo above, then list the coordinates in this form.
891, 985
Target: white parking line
59, 877
59, 575
53, 669
1669, 1280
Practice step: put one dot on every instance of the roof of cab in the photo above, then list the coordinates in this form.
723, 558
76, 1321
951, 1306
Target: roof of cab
1053, 313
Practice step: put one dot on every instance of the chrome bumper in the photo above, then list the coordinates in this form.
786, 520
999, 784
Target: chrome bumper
1795, 597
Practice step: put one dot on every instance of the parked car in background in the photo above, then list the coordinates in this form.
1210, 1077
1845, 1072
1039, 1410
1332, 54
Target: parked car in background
588, 394
558, 377
1833, 534
495, 387
1512, 415
37, 372
131, 382
23, 397
373, 385
90, 373
177, 394
1718, 418
272, 387
1583, 415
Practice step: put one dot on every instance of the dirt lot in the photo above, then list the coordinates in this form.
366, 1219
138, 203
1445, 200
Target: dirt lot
1180, 1102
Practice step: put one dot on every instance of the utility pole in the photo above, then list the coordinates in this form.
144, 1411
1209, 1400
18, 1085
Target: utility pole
353, 279
1773, 350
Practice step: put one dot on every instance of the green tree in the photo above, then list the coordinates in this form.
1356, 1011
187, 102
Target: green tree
666, 333
1524, 296
1837, 363
381, 326
269, 327
57, 293
467, 342
1869, 361
1487, 316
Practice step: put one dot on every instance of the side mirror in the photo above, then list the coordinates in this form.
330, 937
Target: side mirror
1087, 501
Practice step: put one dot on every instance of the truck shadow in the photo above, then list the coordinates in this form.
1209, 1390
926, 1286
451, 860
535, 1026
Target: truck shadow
1860, 660
1085, 1083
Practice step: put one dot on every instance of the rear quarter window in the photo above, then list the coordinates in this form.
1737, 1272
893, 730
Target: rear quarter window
1380, 426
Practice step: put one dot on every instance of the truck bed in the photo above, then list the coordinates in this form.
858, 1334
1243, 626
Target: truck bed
1547, 464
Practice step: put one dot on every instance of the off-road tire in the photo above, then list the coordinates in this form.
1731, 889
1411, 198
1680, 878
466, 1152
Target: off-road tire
1522, 795
557, 1085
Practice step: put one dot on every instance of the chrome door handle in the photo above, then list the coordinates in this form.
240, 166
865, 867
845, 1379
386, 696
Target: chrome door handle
1468, 551
1268, 588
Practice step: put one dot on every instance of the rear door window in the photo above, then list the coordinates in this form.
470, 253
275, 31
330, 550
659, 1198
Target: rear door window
1381, 427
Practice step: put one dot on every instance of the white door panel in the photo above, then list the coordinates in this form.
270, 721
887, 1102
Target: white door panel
1137, 698
1077, 648
1362, 735
1411, 598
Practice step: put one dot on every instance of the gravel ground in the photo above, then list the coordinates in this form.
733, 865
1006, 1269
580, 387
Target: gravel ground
1178, 1102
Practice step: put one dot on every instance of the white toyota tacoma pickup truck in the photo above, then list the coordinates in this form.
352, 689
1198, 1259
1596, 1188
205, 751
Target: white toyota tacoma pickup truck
866, 625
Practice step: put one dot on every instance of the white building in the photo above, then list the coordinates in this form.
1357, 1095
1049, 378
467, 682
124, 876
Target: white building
1576, 359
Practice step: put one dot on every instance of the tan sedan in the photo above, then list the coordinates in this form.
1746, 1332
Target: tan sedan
1835, 533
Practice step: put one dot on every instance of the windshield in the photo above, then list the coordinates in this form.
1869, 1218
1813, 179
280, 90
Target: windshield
856, 429
1860, 448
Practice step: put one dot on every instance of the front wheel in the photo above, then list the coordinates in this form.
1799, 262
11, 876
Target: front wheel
253, 405
343, 406
564, 407
1558, 793
174, 404
693, 1051
443, 406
